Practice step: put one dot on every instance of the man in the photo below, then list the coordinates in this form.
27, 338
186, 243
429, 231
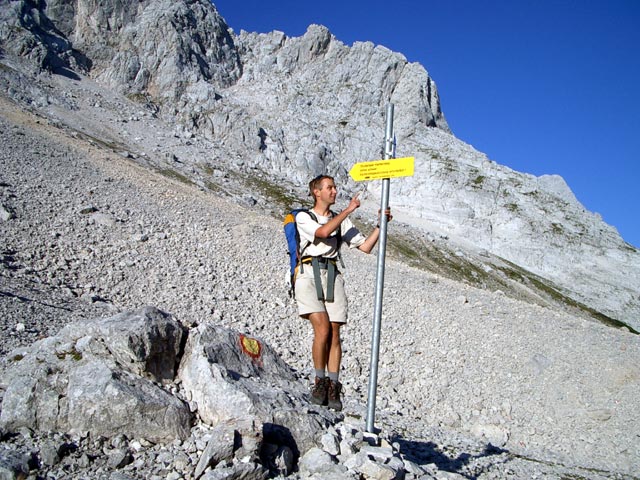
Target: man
319, 286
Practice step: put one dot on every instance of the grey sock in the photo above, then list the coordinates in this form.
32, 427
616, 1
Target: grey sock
320, 373
333, 376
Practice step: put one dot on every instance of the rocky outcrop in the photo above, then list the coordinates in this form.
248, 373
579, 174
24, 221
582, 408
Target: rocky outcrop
230, 376
100, 377
26, 31
117, 376
114, 379
534, 222
183, 57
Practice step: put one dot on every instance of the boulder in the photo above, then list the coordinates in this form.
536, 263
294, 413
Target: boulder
230, 376
99, 377
146, 342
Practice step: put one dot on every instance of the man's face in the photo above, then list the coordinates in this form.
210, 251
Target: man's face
327, 191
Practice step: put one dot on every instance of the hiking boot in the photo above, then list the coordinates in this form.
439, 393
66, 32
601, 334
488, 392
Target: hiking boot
333, 398
319, 391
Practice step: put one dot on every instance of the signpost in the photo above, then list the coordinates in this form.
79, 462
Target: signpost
380, 169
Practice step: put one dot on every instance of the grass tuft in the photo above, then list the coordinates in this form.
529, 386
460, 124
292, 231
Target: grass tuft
170, 173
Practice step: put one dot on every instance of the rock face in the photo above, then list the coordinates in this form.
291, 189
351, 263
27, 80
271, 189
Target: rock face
27, 31
294, 107
99, 377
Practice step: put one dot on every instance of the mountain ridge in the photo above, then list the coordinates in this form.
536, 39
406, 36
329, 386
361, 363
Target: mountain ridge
294, 107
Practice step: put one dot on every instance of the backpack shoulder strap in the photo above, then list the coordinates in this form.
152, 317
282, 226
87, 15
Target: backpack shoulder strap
299, 240
338, 231
339, 237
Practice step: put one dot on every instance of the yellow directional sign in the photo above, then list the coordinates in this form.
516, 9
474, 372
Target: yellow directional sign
391, 168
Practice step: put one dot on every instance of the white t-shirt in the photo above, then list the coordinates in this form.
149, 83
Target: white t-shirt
325, 247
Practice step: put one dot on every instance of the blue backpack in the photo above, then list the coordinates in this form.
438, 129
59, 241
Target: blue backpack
293, 243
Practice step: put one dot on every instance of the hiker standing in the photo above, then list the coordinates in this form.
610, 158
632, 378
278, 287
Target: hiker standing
319, 286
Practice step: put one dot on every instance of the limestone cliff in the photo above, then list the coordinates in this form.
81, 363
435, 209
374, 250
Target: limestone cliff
295, 107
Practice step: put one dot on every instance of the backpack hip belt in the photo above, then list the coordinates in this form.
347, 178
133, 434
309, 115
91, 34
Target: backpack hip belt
318, 263
323, 262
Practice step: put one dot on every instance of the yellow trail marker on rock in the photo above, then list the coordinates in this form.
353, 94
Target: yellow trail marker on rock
378, 169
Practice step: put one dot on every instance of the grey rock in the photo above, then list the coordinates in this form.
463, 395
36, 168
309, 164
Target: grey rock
54, 386
103, 219
413, 468
119, 441
238, 471
381, 454
119, 458
249, 440
5, 214
48, 454
232, 376
540, 363
120, 476
602, 414
330, 444
378, 471
220, 448
109, 401
318, 462
84, 461
13, 465
354, 462
89, 209
145, 342
494, 434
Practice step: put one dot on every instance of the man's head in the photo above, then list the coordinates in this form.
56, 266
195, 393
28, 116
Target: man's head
323, 188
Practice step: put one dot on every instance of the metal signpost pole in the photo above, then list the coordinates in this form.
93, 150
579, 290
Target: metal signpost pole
382, 248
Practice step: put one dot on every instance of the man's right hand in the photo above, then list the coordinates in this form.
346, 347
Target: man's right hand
354, 204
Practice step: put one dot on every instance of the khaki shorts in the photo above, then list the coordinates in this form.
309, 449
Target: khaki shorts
307, 297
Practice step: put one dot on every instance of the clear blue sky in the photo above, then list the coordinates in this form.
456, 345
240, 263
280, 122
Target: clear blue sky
542, 86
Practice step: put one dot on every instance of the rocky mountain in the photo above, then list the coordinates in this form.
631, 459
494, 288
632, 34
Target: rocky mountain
290, 108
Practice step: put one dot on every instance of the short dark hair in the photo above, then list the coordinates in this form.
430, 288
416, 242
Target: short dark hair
315, 183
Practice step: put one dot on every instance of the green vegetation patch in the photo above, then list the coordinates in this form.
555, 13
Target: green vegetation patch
428, 257
479, 180
73, 354
285, 201
170, 173
138, 98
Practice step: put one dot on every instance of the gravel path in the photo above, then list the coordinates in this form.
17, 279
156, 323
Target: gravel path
87, 232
